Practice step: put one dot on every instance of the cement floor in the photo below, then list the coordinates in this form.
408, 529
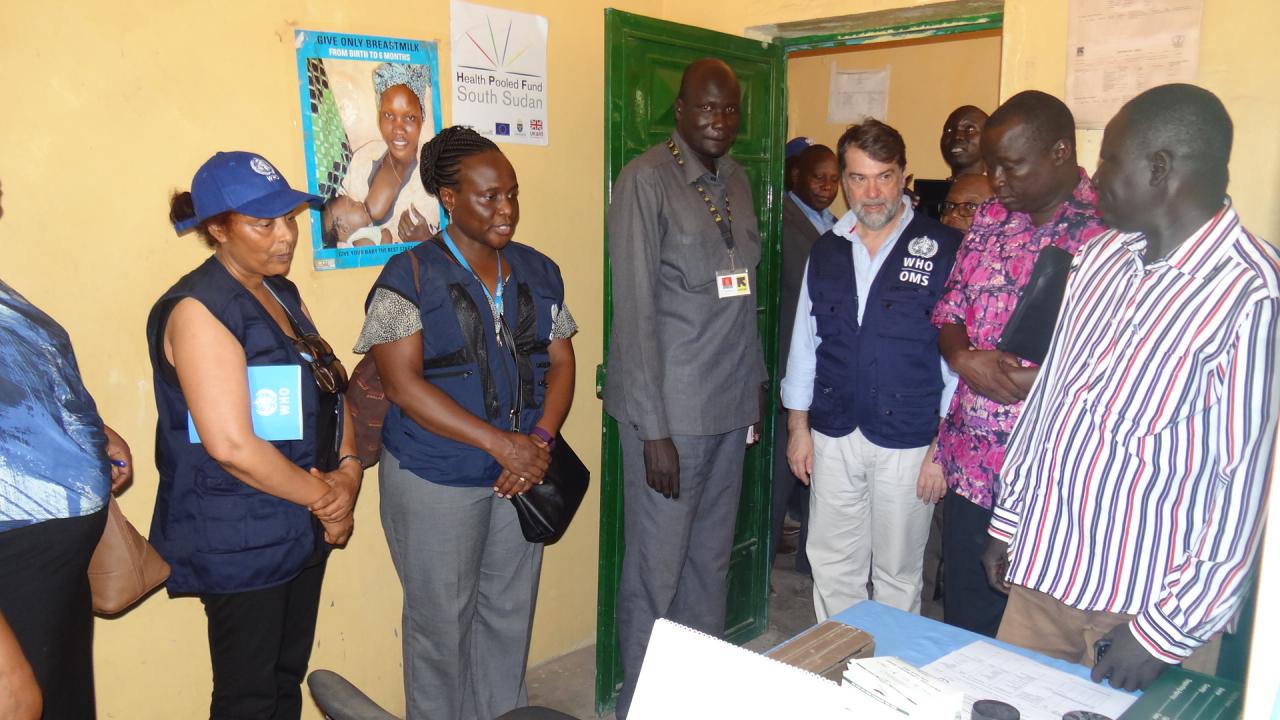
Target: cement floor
567, 683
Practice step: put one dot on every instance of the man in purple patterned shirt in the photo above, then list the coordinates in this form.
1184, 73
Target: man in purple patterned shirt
1042, 198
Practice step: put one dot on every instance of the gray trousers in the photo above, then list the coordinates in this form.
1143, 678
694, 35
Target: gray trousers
470, 580
676, 560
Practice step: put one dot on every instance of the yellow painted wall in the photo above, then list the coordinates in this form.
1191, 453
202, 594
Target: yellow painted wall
1236, 62
108, 106
927, 80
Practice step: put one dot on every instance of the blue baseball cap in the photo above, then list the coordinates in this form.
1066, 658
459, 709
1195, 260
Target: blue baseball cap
797, 145
242, 182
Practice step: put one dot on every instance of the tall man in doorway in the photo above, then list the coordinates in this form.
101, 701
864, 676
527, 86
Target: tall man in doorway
1042, 198
814, 180
685, 362
960, 144
865, 384
1136, 482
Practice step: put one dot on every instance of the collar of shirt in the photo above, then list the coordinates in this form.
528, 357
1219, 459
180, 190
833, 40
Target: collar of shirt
1081, 207
847, 226
695, 171
1199, 254
822, 220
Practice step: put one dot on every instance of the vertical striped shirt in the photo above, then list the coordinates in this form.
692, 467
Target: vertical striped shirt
1135, 480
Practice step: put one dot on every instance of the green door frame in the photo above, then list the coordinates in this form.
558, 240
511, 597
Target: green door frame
749, 563
889, 33
611, 459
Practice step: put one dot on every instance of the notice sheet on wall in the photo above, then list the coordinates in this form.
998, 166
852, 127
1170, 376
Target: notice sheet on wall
499, 72
1118, 48
857, 94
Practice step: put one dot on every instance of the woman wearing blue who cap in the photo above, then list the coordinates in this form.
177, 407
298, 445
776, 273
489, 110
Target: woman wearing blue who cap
258, 477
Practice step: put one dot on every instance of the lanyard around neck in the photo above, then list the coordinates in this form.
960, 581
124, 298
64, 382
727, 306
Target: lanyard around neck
724, 221
495, 298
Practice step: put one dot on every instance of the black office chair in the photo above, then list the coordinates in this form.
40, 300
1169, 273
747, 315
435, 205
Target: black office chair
338, 699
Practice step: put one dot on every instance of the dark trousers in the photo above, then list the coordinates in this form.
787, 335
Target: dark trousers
676, 560
260, 643
44, 595
789, 494
969, 602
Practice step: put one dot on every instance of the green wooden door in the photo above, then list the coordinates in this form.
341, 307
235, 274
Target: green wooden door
644, 59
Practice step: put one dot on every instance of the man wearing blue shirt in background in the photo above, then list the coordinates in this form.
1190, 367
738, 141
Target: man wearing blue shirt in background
865, 385
813, 179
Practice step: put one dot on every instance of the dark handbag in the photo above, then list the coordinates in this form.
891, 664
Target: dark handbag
546, 510
1030, 328
366, 399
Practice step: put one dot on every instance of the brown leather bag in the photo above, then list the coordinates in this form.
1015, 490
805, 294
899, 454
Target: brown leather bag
366, 399
124, 566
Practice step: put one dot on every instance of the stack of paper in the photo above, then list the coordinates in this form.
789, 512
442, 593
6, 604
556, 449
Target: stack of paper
886, 688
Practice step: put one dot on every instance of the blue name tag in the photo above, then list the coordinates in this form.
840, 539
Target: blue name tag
275, 403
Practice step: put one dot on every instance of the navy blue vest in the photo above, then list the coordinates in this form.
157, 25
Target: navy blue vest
883, 376
218, 534
460, 356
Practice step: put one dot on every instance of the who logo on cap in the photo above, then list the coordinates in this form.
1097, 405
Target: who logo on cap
242, 182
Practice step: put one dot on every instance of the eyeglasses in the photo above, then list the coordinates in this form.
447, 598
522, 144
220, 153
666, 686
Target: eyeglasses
327, 369
963, 209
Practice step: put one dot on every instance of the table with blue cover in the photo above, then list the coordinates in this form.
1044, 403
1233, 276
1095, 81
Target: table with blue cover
919, 640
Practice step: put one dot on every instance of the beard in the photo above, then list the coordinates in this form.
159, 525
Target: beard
877, 219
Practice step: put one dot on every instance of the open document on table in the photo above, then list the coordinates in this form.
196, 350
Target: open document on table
984, 671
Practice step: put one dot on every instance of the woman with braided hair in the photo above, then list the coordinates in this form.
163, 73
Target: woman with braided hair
476, 358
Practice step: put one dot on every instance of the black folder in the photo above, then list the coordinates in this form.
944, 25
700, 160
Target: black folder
1030, 327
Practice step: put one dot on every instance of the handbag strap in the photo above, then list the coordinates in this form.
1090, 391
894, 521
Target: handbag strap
417, 282
517, 408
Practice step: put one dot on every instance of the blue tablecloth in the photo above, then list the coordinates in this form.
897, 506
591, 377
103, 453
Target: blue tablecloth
919, 640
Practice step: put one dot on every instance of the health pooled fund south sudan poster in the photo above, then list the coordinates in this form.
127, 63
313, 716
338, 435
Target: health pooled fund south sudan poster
499, 70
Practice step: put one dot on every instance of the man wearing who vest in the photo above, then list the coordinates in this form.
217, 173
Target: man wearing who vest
865, 385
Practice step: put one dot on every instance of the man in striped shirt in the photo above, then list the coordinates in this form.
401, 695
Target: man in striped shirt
1135, 481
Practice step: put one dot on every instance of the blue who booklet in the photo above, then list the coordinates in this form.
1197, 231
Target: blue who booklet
275, 403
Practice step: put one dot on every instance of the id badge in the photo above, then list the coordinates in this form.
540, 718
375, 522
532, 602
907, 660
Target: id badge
733, 283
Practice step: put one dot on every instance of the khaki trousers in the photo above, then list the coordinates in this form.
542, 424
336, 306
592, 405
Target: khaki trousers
865, 520
1039, 622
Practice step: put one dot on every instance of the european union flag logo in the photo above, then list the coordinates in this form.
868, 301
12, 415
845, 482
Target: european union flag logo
502, 128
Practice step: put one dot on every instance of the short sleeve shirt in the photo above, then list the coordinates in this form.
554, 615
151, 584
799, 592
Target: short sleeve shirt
53, 461
992, 266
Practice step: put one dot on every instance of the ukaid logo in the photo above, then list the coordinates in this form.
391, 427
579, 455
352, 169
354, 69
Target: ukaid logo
535, 125
501, 128
275, 393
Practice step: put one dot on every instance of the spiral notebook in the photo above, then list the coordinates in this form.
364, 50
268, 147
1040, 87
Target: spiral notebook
688, 674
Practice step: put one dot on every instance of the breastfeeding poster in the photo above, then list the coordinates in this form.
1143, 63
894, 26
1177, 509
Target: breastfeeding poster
499, 72
368, 105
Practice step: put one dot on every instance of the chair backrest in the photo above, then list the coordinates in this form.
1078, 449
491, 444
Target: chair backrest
340, 700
